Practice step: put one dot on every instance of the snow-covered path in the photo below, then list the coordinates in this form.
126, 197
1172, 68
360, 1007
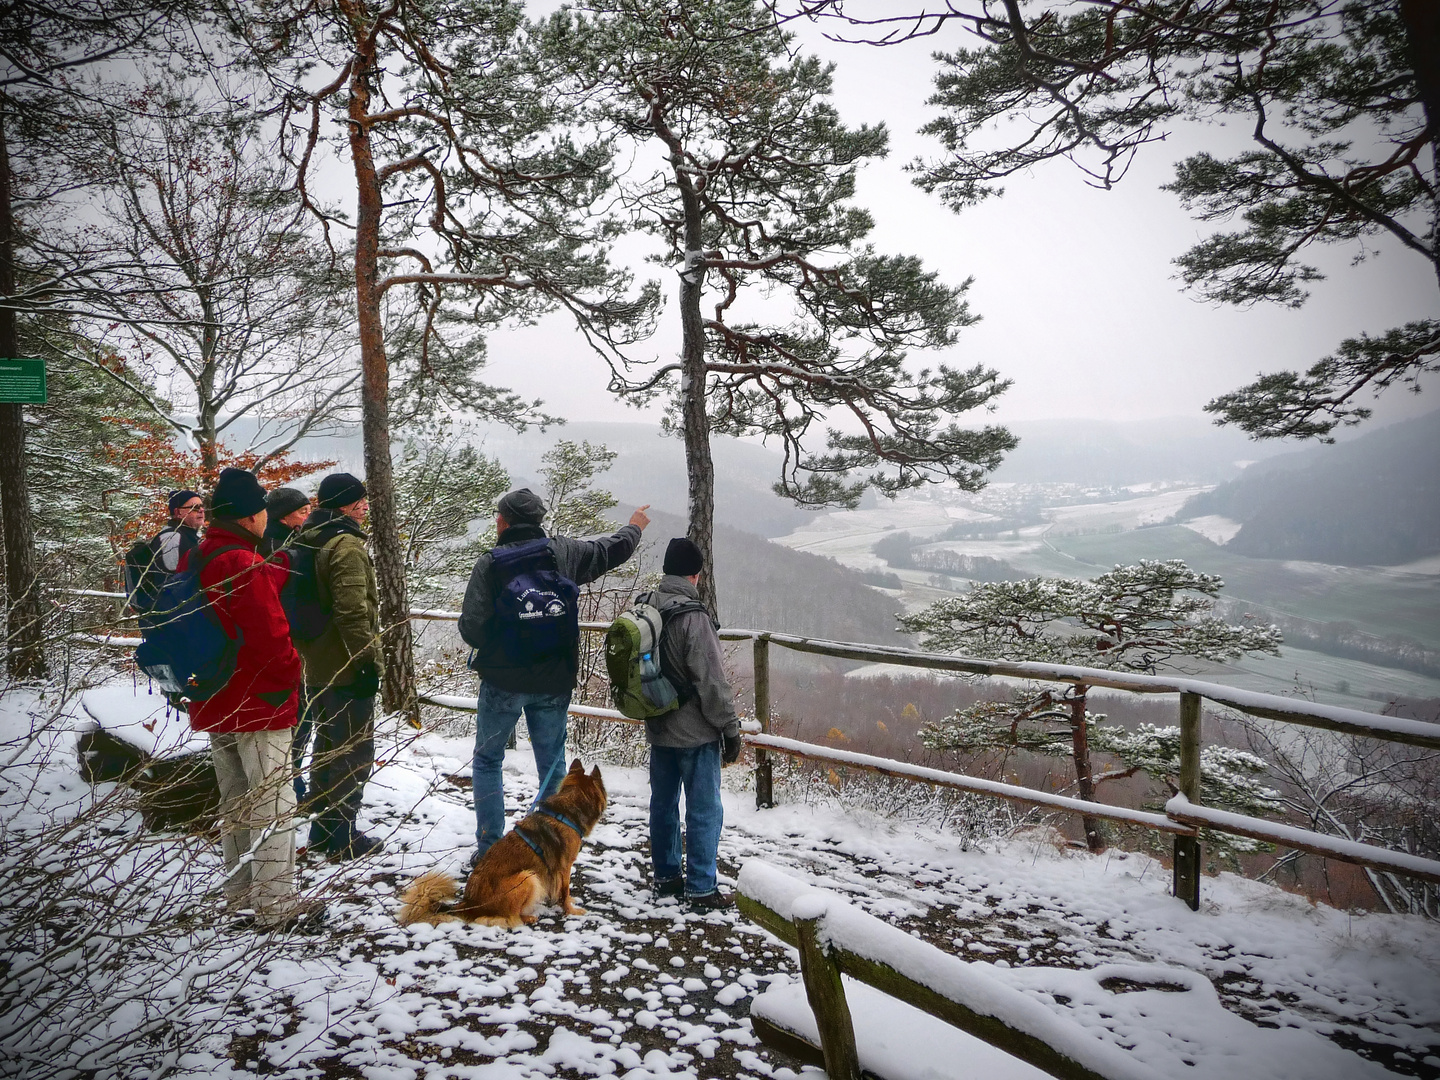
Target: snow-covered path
638, 988
641, 988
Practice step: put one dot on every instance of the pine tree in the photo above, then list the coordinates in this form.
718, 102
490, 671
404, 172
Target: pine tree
442, 485
1341, 99
1131, 618
793, 326
474, 206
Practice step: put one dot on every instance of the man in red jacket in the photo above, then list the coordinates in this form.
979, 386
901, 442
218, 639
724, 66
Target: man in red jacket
249, 721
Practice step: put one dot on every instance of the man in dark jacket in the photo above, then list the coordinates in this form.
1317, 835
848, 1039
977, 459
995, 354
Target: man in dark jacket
342, 667
690, 744
182, 535
147, 562
538, 685
286, 509
249, 720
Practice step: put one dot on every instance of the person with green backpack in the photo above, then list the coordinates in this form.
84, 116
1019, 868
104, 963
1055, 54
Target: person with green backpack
690, 724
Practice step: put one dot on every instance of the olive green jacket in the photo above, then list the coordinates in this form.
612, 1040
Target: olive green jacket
346, 579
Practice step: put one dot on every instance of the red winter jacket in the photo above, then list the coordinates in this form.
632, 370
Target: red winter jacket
245, 592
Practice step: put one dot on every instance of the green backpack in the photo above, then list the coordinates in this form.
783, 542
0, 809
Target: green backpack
638, 685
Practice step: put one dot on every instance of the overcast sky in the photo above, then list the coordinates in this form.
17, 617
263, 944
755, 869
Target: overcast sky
1075, 285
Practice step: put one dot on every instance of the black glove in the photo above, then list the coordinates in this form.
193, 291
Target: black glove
730, 748
367, 682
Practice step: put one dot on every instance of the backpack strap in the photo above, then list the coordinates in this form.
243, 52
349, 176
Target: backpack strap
202, 561
684, 689
323, 554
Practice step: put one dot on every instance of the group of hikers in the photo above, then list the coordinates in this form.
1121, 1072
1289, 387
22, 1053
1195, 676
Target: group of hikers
292, 590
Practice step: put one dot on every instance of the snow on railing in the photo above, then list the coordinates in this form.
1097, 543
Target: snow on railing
1183, 815
834, 937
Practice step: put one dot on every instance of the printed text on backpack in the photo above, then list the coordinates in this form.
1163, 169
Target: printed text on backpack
537, 608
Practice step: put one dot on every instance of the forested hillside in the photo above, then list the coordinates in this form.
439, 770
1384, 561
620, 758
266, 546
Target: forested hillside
766, 586
1373, 501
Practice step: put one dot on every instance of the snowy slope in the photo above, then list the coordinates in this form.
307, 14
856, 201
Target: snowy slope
637, 988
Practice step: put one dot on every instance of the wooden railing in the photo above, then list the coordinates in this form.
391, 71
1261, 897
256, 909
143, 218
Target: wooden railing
835, 938
1184, 815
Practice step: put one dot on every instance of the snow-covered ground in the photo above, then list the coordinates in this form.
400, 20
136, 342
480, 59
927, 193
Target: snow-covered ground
638, 988
1216, 529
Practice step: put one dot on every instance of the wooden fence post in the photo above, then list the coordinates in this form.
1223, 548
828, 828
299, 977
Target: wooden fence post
827, 1001
764, 776
1187, 848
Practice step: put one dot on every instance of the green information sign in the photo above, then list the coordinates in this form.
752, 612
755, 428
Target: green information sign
23, 382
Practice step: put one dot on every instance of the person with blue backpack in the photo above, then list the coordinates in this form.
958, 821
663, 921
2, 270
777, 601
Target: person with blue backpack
521, 618
148, 561
249, 717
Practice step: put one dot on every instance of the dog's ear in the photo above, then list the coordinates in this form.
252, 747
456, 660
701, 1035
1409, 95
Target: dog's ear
595, 773
577, 767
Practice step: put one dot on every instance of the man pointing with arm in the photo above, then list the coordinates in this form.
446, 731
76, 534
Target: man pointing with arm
520, 617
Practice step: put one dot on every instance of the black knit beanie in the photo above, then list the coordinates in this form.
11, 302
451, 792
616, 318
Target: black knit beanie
238, 494
683, 558
340, 489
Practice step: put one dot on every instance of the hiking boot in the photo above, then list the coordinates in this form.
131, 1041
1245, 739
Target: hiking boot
670, 887
307, 917
359, 846
711, 901
323, 835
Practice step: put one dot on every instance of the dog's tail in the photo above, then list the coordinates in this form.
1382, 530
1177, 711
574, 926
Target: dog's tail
427, 898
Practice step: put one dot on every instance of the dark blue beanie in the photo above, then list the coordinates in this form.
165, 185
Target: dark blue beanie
238, 494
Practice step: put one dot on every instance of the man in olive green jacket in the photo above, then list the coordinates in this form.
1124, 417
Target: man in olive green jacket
342, 667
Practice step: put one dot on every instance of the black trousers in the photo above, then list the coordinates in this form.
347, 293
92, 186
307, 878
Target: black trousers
344, 752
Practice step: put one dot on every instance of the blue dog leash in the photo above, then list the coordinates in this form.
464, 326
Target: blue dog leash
548, 813
540, 792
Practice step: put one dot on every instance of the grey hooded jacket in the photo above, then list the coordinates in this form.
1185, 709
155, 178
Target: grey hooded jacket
690, 656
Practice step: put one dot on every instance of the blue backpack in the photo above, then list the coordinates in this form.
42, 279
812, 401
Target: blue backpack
537, 608
186, 650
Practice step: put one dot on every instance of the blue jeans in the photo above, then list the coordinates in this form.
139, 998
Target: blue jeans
495, 717
696, 770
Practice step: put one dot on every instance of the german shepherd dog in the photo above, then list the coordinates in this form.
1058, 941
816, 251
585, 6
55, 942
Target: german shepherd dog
525, 869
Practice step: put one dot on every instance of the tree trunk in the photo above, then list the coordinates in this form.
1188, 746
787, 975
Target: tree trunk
699, 467
25, 647
1422, 40
205, 412
398, 689
1084, 774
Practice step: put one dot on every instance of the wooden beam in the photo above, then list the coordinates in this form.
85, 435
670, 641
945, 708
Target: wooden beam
1186, 867
826, 993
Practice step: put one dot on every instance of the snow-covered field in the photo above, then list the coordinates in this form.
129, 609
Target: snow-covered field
1264, 983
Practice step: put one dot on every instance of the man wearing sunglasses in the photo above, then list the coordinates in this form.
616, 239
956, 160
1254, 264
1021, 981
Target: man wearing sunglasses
187, 518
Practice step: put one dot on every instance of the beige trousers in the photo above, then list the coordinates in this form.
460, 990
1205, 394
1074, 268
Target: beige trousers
256, 798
